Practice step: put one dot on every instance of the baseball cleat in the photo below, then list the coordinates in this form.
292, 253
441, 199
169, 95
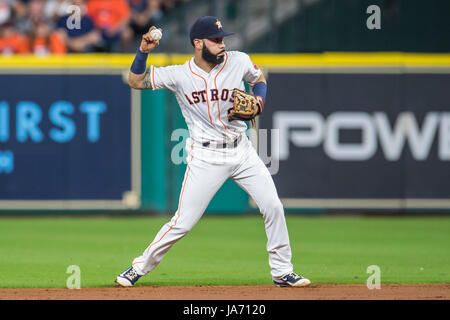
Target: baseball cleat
292, 280
127, 278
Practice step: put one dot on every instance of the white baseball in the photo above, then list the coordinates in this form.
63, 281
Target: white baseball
155, 34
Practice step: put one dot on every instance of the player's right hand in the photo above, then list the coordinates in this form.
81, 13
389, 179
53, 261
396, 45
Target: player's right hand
147, 44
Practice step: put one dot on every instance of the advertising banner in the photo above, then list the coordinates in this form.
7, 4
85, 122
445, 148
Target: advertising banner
65, 141
360, 140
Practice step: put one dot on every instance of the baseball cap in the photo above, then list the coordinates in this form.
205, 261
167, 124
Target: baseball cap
207, 27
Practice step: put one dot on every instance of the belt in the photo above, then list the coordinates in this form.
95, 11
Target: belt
218, 145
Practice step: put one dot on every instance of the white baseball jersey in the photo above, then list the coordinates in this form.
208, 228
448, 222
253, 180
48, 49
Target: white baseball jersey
204, 98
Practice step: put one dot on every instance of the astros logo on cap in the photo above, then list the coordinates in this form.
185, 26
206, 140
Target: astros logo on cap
219, 25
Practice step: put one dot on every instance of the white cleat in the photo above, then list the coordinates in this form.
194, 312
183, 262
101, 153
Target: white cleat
292, 280
127, 278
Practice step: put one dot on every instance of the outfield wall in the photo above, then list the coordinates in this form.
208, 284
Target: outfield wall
356, 131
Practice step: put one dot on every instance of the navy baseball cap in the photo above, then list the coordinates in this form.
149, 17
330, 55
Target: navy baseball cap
207, 27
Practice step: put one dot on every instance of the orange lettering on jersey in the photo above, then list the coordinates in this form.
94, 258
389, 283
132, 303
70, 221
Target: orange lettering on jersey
203, 93
232, 96
195, 97
201, 96
224, 95
214, 94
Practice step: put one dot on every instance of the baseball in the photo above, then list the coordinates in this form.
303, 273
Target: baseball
155, 34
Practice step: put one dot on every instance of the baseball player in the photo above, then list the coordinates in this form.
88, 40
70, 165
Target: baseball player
217, 147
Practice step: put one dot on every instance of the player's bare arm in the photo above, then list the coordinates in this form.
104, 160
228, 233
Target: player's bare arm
136, 78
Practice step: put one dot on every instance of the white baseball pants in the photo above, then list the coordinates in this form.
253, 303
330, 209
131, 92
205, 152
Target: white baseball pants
207, 170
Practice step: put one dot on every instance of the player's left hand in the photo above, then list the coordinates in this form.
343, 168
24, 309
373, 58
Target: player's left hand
245, 106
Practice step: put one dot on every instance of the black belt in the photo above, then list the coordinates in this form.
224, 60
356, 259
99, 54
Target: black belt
224, 145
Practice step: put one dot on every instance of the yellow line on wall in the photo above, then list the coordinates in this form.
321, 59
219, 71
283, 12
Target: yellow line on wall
333, 59
306, 60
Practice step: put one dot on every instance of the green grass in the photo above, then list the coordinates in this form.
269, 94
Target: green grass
35, 252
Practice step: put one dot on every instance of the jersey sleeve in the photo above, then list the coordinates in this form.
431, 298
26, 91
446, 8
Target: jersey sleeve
163, 77
251, 71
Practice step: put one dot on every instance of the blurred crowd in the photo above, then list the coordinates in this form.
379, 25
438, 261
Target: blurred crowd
77, 26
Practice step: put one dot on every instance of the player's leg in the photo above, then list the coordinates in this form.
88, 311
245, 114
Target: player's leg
253, 176
201, 182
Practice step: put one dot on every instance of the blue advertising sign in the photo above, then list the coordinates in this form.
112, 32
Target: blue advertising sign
64, 137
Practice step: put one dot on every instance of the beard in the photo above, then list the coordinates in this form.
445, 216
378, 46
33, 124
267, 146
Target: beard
212, 58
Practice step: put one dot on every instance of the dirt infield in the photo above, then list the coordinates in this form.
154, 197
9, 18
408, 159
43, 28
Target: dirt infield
263, 292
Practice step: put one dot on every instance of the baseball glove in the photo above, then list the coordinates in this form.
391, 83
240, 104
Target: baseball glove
245, 106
